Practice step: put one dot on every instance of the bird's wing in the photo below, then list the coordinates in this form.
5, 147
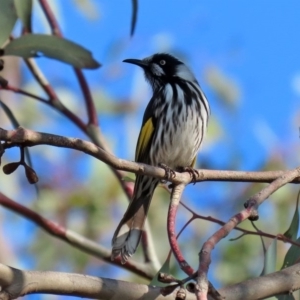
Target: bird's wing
144, 140
147, 132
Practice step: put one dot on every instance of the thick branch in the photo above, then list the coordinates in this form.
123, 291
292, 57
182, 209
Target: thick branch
31, 138
15, 283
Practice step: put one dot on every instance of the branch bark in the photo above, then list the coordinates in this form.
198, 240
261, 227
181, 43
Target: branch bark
171, 222
15, 283
29, 138
250, 211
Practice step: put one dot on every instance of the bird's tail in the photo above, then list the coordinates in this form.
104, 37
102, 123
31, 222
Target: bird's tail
129, 231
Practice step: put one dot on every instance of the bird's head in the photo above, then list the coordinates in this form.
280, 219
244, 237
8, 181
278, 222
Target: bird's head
163, 68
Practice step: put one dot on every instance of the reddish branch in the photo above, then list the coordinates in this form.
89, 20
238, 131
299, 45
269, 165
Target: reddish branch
22, 92
279, 237
250, 211
50, 18
52, 102
90, 106
40, 78
74, 239
91, 109
171, 227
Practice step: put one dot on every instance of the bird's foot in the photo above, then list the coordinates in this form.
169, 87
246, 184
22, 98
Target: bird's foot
169, 173
193, 173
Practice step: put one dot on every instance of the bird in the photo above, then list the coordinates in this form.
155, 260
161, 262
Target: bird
173, 128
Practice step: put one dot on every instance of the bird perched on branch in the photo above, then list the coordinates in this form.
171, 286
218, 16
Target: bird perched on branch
172, 131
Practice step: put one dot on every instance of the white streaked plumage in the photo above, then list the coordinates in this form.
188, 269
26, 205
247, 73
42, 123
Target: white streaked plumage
177, 117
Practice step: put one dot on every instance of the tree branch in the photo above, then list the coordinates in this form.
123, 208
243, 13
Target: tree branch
172, 211
75, 239
250, 211
279, 236
16, 283
89, 102
29, 138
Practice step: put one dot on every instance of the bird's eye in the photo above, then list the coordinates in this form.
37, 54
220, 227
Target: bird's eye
162, 62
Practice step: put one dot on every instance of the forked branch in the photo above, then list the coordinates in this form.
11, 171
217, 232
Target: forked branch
250, 211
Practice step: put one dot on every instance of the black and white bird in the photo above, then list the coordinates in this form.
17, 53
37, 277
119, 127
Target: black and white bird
173, 128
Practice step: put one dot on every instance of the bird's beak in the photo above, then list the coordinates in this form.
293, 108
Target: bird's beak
141, 63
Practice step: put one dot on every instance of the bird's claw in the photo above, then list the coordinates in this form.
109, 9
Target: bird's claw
193, 173
169, 173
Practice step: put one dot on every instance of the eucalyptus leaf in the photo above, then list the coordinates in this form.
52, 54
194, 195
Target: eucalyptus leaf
292, 256
292, 232
23, 10
35, 45
8, 18
270, 258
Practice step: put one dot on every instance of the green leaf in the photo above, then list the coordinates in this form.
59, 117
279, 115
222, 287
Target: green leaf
134, 16
23, 10
292, 256
292, 232
8, 18
35, 45
270, 258
165, 268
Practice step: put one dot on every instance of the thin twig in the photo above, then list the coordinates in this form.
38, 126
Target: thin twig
90, 106
54, 104
23, 92
260, 233
40, 78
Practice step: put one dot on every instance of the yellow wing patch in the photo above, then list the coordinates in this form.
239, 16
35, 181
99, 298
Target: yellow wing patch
144, 138
193, 162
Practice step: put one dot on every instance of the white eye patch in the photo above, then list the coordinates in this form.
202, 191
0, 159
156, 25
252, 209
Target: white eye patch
157, 70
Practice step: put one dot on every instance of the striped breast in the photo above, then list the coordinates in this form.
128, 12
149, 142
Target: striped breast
181, 124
